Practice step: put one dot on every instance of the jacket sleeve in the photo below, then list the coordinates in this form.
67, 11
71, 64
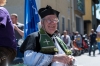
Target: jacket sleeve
32, 58
28, 44
3, 18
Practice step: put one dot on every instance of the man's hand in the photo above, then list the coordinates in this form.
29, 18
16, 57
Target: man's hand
2, 57
18, 30
15, 26
63, 59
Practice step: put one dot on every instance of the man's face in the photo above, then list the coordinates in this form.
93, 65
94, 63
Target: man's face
65, 33
50, 23
92, 31
14, 19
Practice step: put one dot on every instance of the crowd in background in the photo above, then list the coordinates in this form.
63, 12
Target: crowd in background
74, 41
79, 44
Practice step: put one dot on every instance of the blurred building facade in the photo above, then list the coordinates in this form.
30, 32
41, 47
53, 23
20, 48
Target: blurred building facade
75, 15
90, 21
71, 14
65, 13
16, 6
79, 11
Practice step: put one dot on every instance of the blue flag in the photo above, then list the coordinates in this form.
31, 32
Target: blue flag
31, 17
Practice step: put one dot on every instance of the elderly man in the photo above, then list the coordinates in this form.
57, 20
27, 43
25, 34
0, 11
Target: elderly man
43, 48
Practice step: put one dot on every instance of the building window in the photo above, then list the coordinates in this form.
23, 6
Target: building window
92, 10
69, 10
68, 25
80, 5
78, 24
98, 11
63, 23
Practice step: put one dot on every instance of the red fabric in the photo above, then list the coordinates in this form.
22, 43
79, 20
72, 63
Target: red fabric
75, 45
84, 44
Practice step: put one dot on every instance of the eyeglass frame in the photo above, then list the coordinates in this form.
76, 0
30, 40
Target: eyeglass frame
55, 20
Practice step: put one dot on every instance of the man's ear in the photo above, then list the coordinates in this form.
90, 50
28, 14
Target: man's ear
41, 23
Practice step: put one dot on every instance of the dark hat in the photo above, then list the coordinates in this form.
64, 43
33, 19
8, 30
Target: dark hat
47, 11
76, 32
57, 30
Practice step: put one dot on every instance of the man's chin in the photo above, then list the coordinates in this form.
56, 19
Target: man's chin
51, 32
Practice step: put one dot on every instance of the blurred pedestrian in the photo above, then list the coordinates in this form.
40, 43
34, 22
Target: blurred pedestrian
92, 38
57, 33
78, 39
98, 37
18, 27
66, 38
19, 33
78, 42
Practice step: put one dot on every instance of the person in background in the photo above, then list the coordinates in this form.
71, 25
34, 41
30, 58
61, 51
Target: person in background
19, 33
66, 38
7, 37
98, 37
92, 38
73, 36
57, 33
78, 39
18, 27
43, 48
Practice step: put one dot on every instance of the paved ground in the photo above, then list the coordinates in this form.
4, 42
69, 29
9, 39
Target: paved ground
85, 60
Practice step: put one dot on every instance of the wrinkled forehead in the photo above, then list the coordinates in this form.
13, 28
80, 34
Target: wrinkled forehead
65, 32
51, 16
13, 17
